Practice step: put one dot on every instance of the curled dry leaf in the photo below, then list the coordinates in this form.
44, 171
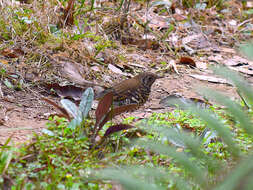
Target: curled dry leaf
73, 72
115, 111
103, 107
117, 128
187, 61
67, 91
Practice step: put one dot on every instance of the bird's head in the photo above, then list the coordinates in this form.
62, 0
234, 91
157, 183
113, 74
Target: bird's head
147, 78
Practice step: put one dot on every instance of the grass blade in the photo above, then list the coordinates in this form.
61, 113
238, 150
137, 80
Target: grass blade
244, 87
241, 175
180, 157
233, 108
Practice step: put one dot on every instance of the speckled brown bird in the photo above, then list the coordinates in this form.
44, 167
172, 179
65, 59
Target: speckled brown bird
135, 90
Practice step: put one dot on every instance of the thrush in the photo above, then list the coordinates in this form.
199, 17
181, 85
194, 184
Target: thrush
135, 90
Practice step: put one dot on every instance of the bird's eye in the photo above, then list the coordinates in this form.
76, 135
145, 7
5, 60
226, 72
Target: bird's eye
150, 79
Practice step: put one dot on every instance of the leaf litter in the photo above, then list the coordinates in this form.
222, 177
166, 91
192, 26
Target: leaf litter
109, 45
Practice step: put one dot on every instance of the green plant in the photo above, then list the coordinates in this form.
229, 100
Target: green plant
81, 125
6, 155
233, 171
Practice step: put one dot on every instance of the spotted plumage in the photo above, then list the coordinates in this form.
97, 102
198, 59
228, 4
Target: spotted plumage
135, 90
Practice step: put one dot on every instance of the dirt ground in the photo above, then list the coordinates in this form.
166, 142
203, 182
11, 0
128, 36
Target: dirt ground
23, 112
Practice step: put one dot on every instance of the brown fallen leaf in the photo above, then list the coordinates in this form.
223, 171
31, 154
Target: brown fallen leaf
70, 91
117, 128
116, 70
103, 107
179, 17
211, 79
74, 71
187, 61
12, 53
114, 112
25, 1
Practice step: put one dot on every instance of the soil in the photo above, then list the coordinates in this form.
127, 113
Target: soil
21, 114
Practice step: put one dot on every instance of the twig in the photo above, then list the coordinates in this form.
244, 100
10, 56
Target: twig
1, 92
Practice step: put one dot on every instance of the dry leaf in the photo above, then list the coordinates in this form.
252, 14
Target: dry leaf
188, 39
179, 17
2, 61
73, 71
12, 53
115, 70
71, 91
211, 79
116, 128
103, 107
227, 50
243, 70
187, 61
116, 111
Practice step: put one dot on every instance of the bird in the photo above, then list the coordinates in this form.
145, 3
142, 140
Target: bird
135, 90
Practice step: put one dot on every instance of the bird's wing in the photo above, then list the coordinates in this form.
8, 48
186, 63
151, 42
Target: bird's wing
126, 86
121, 90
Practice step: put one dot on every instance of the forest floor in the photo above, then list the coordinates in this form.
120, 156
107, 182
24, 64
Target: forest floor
23, 112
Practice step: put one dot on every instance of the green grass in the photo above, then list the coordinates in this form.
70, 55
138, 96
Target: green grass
61, 159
